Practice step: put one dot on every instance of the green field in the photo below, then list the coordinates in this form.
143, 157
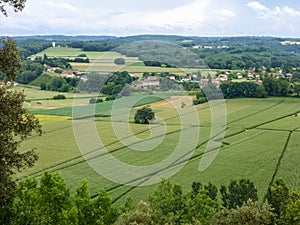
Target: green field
104, 62
258, 145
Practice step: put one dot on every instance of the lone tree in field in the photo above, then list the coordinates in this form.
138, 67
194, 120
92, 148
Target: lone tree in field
144, 115
15, 123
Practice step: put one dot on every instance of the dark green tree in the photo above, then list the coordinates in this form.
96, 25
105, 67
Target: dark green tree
119, 61
144, 115
297, 89
237, 193
15, 124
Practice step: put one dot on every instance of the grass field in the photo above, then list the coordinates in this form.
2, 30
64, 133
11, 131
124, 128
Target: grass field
37, 99
258, 145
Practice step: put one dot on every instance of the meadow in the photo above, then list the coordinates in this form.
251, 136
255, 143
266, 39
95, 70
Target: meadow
261, 144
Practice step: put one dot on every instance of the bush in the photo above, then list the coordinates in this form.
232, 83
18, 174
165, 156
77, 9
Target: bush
119, 61
93, 101
59, 96
110, 98
99, 100
199, 101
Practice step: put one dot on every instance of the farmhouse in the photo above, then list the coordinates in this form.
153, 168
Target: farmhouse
186, 79
151, 81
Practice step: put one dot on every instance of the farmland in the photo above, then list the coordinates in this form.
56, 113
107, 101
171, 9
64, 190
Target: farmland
104, 62
261, 144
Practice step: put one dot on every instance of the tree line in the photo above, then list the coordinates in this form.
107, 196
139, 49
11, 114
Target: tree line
48, 201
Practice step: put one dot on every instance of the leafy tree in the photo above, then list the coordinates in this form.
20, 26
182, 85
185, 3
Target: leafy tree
15, 125
18, 5
10, 62
261, 92
45, 203
238, 193
278, 196
249, 214
143, 215
94, 211
144, 115
297, 89
171, 206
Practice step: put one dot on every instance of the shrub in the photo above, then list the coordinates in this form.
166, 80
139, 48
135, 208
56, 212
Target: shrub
59, 96
119, 61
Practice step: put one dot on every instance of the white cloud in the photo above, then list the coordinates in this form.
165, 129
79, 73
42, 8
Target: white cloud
190, 16
59, 6
282, 20
257, 6
227, 12
276, 14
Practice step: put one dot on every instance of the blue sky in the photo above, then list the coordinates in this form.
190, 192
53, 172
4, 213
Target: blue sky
131, 17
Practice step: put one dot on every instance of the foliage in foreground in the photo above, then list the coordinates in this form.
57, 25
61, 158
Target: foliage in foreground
48, 201
15, 123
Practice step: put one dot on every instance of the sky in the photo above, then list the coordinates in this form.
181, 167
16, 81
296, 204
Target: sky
279, 18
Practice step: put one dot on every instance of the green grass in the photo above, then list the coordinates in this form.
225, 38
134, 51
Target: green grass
257, 132
103, 108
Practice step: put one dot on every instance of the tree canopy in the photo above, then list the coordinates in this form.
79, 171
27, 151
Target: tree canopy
15, 123
18, 5
144, 115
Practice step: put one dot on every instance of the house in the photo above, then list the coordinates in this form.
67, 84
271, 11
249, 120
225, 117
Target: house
69, 74
151, 81
289, 75
171, 77
204, 82
239, 76
186, 79
223, 77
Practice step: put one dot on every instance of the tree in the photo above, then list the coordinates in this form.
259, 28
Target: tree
143, 215
10, 62
248, 214
144, 115
15, 124
238, 193
119, 61
18, 5
297, 89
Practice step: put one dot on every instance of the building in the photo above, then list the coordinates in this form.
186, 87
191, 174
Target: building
151, 81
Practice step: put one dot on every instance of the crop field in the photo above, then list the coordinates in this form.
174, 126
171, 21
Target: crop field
37, 99
103, 62
261, 143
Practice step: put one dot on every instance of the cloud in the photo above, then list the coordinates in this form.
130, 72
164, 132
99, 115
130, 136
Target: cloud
282, 20
227, 12
257, 6
277, 13
59, 6
183, 17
